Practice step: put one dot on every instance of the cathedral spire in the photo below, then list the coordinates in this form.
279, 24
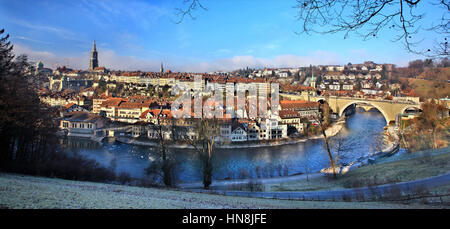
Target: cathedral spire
93, 63
313, 80
162, 68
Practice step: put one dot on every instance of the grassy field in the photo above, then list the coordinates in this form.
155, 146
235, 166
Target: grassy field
17, 191
371, 175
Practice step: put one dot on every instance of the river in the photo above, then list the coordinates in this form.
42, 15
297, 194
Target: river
361, 132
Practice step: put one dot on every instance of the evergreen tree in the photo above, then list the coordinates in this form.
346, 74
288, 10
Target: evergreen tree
26, 126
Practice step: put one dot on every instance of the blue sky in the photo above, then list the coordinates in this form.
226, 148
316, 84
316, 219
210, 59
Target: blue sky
138, 35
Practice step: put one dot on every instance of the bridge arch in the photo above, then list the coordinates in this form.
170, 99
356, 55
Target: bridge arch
321, 101
381, 110
366, 107
371, 108
416, 107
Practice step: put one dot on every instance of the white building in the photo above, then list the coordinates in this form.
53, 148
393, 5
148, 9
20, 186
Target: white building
347, 87
335, 87
239, 134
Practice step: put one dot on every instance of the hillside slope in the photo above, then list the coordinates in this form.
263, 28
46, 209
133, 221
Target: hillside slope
18, 191
429, 89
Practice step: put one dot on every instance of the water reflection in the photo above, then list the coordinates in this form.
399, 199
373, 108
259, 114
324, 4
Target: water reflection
364, 127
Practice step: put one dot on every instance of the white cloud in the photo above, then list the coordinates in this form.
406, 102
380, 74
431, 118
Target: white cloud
111, 60
107, 58
236, 62
30, 39
33, 55
63, 33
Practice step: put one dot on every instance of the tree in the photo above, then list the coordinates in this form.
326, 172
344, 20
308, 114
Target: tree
206, 131
326, 112
318, 117
319, 79
367, 18
445, 62
358, 86
297, 76
416, 64
302, 77
306, 163
431, 118
340, 145
102, 84
428, 63
166, 160
27, 129
192, 5
291, 130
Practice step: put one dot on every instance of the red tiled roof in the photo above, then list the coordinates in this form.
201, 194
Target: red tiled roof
292, 104
167, 114
144, 114
289, 87
113, 102
68, 106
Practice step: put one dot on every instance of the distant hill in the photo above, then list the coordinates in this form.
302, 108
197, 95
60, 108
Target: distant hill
430, 89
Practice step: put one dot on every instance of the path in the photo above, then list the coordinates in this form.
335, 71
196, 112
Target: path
353, 194
221, 183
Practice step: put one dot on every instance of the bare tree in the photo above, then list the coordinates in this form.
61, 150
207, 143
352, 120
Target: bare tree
318, 117
192, 5
166, 165
432, 119
368, 18
340, 145
206, 131
306, 164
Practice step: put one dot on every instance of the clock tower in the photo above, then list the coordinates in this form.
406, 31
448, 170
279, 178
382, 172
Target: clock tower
93, 63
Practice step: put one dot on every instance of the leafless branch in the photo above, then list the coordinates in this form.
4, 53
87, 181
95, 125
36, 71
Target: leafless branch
193, 5
367, 18
340, 145
319, 119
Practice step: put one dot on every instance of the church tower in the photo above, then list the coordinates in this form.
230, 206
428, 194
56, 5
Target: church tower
162, 68
93, 63
313, 80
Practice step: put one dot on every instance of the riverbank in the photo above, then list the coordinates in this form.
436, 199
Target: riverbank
391, 146
403, 168
331, 131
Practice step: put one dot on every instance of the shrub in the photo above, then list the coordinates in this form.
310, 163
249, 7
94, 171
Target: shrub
62, 165
124, 178
255, 186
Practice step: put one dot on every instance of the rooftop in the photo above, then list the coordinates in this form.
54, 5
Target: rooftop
80, 116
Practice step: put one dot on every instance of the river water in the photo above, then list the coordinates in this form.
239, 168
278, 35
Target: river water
360, 135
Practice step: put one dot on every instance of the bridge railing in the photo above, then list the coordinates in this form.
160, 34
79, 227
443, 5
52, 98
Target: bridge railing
367, 99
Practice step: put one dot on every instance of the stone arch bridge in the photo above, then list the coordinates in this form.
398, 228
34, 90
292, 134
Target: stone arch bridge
389, 108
